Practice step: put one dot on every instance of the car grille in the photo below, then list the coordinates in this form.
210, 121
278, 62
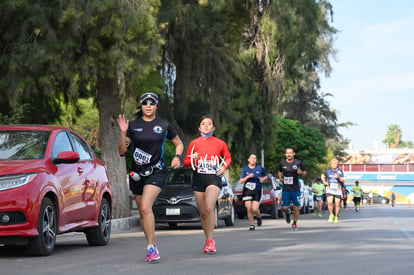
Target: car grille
14, 217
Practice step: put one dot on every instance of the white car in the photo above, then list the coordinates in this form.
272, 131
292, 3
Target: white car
304, 198
311, 201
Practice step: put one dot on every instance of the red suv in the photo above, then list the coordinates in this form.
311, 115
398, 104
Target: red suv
270, 201
51, 182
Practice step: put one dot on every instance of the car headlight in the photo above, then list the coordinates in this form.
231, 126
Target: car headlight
266, 196
13, 181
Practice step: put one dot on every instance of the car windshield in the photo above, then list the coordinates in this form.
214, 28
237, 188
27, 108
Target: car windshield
180, 176
23, 145
267, 184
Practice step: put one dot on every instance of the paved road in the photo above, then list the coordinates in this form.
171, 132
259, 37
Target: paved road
377, 240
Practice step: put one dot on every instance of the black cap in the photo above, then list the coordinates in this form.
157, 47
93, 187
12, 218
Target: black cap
318, 179
149, 95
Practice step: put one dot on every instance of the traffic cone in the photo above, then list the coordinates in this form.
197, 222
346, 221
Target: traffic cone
372, 201
409, 202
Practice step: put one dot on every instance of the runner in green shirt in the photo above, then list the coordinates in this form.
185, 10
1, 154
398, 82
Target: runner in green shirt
318, 189
357, 190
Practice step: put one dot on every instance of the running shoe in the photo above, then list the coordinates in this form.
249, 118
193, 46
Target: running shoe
336, 220
331, 218
205, 248
320, 215
152, 254
287, 214
252, 227
314, 213
210, 246
294, 226
259, 221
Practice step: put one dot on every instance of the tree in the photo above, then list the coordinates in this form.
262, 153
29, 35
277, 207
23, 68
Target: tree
393, 136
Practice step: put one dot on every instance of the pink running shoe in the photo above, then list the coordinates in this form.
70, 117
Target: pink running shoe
210, 246
152, 254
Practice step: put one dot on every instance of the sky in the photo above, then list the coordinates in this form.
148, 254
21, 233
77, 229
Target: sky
372, 81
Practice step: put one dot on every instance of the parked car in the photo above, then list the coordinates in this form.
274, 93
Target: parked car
270, 201
304, 198
311, 201
176, 203
376, 198
51, 182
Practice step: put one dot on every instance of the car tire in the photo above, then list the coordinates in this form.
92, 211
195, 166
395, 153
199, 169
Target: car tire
216, 216
229, 221
44, 243
280, 213
307, 209
100, 235
384, 201
274, 213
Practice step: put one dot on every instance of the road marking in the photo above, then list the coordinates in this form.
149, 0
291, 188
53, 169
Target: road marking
406, 233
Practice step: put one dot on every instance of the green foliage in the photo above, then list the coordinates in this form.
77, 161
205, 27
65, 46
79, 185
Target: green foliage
308, 144
60, 50
406, 144
83, 117
17, 115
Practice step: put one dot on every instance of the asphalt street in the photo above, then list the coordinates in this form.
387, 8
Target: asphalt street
377, 240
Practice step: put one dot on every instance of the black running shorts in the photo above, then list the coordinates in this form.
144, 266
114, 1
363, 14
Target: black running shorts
201, 181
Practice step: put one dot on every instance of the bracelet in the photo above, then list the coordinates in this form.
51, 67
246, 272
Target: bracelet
178, 156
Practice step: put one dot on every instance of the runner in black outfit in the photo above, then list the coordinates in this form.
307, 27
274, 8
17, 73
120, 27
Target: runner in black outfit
147, 135
288, 172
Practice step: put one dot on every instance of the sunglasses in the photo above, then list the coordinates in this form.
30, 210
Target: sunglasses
151, 102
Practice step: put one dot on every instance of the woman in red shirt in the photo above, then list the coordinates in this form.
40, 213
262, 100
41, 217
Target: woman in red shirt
209, 157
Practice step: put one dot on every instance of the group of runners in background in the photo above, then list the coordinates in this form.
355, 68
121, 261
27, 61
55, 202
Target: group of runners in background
329, 190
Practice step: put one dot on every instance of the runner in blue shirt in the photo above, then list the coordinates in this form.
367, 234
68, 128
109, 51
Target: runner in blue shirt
333, 178
252, 176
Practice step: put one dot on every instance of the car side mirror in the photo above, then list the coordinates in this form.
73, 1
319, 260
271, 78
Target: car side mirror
66, 157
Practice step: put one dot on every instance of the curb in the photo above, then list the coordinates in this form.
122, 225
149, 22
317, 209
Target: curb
127, 223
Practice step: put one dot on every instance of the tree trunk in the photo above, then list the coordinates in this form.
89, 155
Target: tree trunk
109, 105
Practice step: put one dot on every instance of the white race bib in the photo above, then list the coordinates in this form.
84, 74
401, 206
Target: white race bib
333, 186
206, 167
141, 157
250, 185
288, 180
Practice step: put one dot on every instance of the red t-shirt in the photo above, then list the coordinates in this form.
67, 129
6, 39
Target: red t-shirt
210, 149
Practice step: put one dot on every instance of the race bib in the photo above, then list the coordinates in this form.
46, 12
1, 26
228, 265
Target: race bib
333, 186
357, 194
288, 180
250, 185
206, 167
141, 157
